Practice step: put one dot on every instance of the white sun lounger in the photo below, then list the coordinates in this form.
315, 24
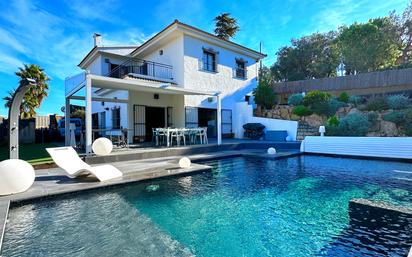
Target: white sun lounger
67, 159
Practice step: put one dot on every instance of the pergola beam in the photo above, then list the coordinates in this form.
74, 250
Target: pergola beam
101, 99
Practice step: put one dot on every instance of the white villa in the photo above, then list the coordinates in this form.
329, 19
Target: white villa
181, 77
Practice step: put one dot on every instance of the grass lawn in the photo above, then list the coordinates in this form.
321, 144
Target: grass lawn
33, 153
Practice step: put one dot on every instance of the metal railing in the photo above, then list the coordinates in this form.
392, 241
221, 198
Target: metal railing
144, 69
209, 67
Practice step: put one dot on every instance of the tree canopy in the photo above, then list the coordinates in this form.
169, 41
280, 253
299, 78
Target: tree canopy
403, 25
225, 26
377, 44
312, 56
369, 46
35, 95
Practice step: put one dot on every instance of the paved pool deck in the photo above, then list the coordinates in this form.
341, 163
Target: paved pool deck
52, 182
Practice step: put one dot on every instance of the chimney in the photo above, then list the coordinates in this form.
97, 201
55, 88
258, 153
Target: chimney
97, 39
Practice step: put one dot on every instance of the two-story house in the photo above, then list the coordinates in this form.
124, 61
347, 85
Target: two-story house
181, 77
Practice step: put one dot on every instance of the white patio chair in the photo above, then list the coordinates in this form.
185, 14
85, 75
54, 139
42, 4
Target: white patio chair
202, 134
161, 132
178, 134
68, 159
155, 136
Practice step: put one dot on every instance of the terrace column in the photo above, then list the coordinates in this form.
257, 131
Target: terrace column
67, 121
219, 119
88, 114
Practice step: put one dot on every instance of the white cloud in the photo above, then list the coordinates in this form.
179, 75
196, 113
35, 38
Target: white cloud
331, 15
7, 39
131, 36
59, 43
103, 10
9, 64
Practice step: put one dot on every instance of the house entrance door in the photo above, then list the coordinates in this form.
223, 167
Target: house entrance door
155, 118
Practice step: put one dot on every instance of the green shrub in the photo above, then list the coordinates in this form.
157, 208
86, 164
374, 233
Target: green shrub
328, 108
372, 118
376, 104
332, 130
398, 102
334, 105
301, 110
264, 95
333, 121
332, 126
316, 97
354, 124
407, 129
295, 99
397, 117
355, 100
343, 97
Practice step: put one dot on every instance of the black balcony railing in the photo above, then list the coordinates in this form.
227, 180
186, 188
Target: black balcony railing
142, 68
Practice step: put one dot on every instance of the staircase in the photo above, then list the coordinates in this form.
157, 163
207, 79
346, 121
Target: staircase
304, 130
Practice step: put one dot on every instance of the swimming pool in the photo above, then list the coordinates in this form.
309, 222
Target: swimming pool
245, 207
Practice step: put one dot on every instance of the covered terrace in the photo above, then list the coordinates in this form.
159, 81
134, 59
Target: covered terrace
138, 92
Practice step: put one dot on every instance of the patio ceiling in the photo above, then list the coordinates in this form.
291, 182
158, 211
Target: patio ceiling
143, 86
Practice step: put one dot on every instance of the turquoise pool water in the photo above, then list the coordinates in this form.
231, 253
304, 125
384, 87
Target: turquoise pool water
244, 207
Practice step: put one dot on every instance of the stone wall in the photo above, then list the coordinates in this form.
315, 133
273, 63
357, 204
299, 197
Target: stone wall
309, 125
284, 112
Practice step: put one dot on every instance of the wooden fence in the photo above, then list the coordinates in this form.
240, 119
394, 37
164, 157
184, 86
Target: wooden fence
365, 83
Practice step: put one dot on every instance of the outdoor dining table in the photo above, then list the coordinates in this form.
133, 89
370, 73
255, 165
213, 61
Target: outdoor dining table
168, 131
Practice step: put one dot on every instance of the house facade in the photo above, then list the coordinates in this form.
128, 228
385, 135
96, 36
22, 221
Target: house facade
181, 77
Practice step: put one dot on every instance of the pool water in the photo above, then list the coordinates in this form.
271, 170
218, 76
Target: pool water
244, 207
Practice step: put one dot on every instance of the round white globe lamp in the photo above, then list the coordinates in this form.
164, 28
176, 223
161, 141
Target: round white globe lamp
271, 150
16, 176
184, 163
289, 138
102, 146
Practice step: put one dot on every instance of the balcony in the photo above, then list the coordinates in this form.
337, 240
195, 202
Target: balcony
137, 68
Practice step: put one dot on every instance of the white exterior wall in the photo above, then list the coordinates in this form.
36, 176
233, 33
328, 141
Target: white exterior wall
243, 113
172, 55
233, 89
183, 53
96, 66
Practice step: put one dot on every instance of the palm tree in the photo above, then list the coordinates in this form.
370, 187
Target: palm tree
35, 95
226, 26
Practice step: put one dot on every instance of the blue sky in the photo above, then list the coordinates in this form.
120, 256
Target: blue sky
57, 34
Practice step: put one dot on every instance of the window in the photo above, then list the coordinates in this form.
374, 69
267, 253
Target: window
209, 61
114, 70
240, 69
116, 118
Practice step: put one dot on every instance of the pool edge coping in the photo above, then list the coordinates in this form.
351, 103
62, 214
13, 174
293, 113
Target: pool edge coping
201, 168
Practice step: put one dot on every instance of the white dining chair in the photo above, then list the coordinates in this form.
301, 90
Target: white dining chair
204, 135
179, 135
